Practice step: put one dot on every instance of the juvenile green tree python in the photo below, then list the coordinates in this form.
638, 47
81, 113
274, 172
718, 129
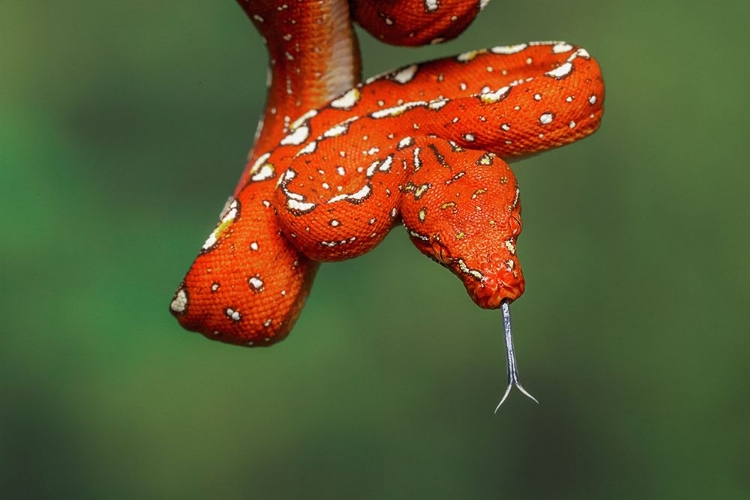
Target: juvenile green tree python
337, 163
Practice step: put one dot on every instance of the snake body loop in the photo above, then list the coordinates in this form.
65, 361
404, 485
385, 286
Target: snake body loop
338, 162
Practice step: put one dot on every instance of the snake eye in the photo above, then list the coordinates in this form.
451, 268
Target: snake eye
515, 225
441, 252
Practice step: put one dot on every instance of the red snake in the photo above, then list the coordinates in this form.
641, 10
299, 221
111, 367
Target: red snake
337, 163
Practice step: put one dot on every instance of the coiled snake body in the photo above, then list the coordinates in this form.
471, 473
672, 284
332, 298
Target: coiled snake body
338, 163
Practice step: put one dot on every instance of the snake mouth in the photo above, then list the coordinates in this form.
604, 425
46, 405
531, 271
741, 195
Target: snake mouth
490, 293
489, 285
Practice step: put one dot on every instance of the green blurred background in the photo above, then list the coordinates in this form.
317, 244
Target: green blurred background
123, 128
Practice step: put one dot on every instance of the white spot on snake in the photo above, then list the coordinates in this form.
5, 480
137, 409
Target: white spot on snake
266, 172
232, 314
493, 97
259, 163
227, 218
418, 236
346, 101
546, 118
299, 206
468, 56
417, 159
334, 223
469, 137
255, 283
508, 49
486, 159
510, 246
437, 104
295, 202
341, 170
310, 148
431, 5
592, 99
405, 143
537, 97
561, 72
357, 197
180, 302
515, 200
561, 48
302, 119
214, 286
337, 130
371, 169
254, 246
382, 166
455, 178
467, 270
396, 110
505, 126
297, 137
405, 75
386, 165
572, 124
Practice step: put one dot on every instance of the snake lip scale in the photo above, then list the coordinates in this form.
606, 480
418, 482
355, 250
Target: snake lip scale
337, 162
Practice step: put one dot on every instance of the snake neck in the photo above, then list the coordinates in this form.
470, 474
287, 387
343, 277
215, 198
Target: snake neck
313, 56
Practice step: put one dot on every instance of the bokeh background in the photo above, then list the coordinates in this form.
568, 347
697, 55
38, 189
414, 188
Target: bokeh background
123, 128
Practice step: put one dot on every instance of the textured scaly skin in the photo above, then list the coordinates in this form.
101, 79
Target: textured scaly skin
425, 145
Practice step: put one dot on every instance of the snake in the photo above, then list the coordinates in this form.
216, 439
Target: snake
338, 162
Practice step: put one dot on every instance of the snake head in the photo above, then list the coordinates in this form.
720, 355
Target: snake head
490, 277
484, 260
469, 222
